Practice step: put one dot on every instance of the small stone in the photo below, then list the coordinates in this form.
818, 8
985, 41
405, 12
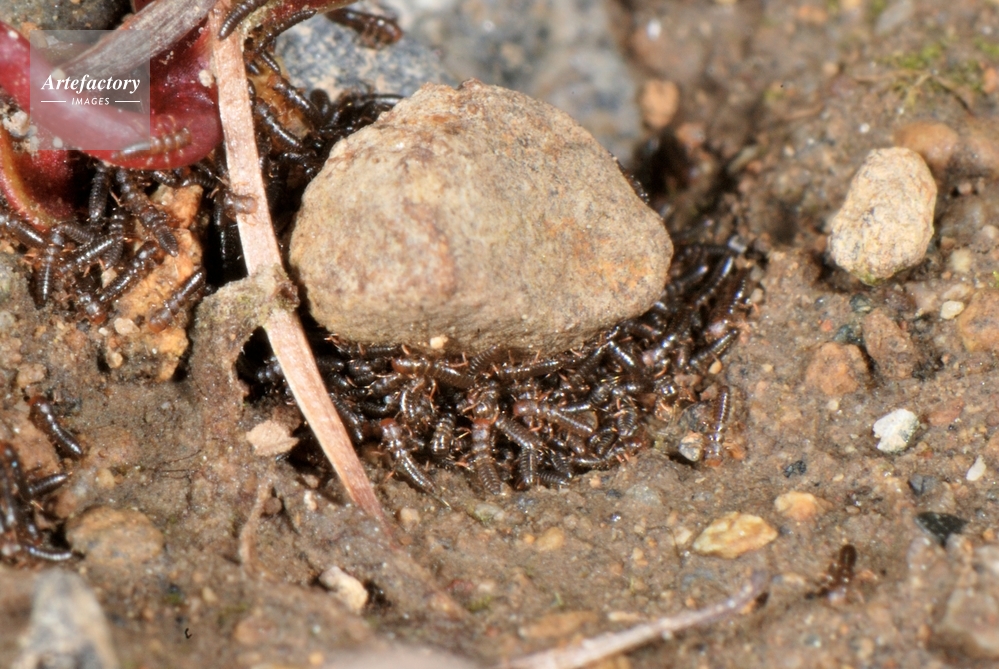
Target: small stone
484, 512
922, 485
946, 412
799, 506
551, 539
951, 309
481, 215
658, 100
836, 369
408, 518
895, 430
940, 525
734, 534
977, 470
29, 374
886, 222
935, 142
558, 625
691, 446
978, 324
890, 348
68, 627
345, 587
114, 538
270, 438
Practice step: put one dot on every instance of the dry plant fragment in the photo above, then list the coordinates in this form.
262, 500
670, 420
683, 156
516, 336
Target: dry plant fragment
607, 645
260, 250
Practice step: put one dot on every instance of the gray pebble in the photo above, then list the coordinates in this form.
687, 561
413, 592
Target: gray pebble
475, 217
68, 628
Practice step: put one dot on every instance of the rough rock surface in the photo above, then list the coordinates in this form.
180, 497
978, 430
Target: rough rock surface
889, 347
479, 215
836, 369
886, 222
978, 324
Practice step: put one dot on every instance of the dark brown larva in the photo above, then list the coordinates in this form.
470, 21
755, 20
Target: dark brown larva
44, 418
20, 537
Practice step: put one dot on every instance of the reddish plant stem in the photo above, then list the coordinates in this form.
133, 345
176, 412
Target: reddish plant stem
260, 249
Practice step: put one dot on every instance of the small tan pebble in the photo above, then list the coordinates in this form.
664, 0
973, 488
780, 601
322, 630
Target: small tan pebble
895, 430
979, 150
734, 534
408, 518
924, 298
886, 222
978, 324
272, 506
946, 412
438, 343
558, 625
977, 470
104, 478
114, 359
114, 538
961, 261
836, 369
208, 596
951, 309
485, 512
270, 438
345, 587
799, 506
29, 374
890, 348
959, 291
125, 326
551, 539
935, 142
658, 100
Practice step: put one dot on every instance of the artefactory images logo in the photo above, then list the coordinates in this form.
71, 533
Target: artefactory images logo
77, 94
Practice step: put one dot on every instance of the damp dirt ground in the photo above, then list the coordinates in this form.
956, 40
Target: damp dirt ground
779, 103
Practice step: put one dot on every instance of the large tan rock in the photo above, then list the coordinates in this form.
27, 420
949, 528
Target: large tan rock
886, 222
474, 217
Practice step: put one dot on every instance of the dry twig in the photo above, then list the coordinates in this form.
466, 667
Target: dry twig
613, 643
260, 249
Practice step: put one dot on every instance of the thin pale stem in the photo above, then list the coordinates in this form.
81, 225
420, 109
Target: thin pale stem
260, 249
608, 645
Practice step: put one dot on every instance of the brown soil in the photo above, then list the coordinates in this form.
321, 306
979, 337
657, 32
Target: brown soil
789, 97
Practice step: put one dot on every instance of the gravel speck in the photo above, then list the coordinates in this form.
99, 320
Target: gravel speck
895, 430
951, 309
886, 222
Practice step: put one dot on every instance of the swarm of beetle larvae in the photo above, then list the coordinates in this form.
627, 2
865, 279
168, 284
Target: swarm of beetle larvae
522, 420
507, 417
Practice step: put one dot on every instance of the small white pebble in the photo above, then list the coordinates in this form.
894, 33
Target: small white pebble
350, 591
961, 261
951, 309
438, 342
895, 430
832, 405
977, 470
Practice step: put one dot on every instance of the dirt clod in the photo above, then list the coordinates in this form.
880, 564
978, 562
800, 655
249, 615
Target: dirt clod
978, 324
115, 538
836, 369
460, 212
886, 222
890, 348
